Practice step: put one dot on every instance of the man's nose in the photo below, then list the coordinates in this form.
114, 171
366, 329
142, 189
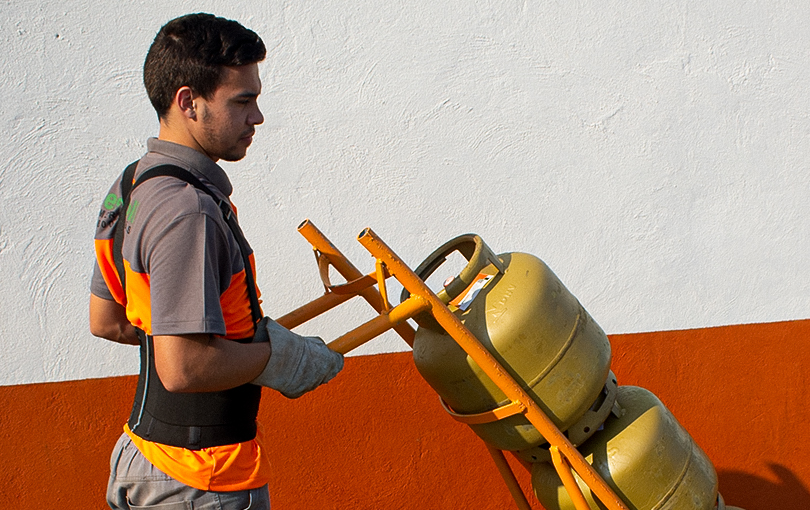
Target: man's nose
256, 117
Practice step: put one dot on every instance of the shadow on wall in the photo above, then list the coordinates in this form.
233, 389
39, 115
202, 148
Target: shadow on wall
756, 493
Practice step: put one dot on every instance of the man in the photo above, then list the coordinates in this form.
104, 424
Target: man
179, 283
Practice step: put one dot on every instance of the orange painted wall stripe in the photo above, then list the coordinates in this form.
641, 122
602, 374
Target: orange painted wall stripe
743, 394
376, 437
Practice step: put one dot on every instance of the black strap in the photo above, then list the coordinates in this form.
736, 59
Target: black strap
227, 213
120, 225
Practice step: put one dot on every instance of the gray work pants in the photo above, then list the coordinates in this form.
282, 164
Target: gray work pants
135, 484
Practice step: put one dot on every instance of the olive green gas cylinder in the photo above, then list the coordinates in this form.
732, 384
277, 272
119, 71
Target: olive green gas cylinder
644, 455
536, 329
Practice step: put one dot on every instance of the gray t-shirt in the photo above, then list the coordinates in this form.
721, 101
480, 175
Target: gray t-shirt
185, 273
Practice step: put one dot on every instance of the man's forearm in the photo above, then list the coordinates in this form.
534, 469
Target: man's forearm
185, 363
197, 363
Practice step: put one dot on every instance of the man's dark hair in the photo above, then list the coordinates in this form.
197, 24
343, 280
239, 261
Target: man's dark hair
191, 51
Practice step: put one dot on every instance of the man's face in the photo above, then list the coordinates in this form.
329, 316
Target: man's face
227, 118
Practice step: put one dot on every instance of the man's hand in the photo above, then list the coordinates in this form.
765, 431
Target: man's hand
297, 364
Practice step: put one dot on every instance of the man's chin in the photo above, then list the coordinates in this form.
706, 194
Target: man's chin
233, 156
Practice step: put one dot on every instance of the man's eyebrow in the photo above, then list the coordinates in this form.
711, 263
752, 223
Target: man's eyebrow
246, 95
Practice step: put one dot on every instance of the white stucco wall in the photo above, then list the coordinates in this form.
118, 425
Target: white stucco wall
654, 154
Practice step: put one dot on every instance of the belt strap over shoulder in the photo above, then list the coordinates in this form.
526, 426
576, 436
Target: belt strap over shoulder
227, 213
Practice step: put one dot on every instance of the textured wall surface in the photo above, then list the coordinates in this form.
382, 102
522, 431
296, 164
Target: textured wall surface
654, 155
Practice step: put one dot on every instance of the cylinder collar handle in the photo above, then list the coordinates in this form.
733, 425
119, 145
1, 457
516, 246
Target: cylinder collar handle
478, 256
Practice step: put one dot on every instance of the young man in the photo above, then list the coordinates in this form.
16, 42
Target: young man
186, 295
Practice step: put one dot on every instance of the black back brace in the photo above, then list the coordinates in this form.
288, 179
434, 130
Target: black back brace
189, 420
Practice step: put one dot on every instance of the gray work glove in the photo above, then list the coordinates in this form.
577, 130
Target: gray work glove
297, 364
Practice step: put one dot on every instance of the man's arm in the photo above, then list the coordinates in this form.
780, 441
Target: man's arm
108, 319
185, 363
196, 363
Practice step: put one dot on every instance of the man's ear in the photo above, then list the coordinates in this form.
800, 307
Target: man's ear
184, 99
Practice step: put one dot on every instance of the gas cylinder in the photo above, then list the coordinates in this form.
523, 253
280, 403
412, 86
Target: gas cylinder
644, 455
534, 327
584, 428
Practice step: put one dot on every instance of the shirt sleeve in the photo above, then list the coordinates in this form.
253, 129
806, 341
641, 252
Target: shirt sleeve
98, 286
189, 266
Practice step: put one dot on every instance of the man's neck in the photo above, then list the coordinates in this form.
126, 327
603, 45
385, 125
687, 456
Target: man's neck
169, 133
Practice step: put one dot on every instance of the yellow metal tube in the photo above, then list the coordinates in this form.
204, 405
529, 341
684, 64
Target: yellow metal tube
312, 309
491, 368
568, 480
380, 324
350, 273
509, 477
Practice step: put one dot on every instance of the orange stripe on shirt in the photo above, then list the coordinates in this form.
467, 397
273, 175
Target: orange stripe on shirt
236, 306
139, 302
106, 263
